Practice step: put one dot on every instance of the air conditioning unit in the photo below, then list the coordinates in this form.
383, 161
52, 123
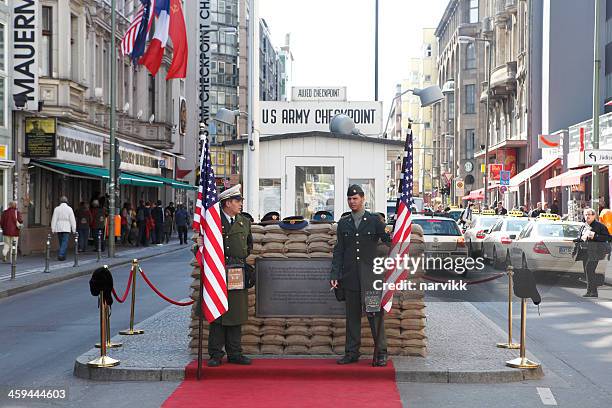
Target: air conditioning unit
487, 25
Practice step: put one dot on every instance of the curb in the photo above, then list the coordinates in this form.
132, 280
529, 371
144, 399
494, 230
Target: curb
76, 274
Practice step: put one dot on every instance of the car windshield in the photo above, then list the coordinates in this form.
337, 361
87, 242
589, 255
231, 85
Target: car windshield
559, 230
438, 227
516, 225
486, 222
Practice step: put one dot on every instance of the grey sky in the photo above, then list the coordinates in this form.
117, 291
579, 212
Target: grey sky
333, 40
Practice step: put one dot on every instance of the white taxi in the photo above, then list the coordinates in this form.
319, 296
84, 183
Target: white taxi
495, 246
475, 231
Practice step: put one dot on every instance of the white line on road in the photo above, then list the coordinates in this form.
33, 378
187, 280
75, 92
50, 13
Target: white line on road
546, 396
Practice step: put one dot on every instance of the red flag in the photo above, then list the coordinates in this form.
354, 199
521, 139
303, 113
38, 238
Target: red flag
178, 35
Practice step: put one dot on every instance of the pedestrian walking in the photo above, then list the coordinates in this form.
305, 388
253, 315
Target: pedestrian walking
62, 224
158, 217
358, 236
594, 246
98, 223
84, 220
182, 221
11, 224
466, 215
172, 209
168, 223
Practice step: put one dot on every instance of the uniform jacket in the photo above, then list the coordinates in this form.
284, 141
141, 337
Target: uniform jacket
10, 216
355, 251
237, 244
63, 219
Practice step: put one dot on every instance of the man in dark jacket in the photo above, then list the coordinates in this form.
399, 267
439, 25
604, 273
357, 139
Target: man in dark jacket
352, 270
141, 221
98, 223
238, 243
596, 237
181, 219
158, 217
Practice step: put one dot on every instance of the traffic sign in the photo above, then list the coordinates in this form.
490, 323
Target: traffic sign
597, 157
459, 187
504, 177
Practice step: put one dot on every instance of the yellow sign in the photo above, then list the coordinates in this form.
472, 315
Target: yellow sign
475, 211
488, 212
547, 216
516, 213
482, 168
3, 152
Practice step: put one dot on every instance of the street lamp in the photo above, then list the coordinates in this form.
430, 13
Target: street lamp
464, 39
428, 96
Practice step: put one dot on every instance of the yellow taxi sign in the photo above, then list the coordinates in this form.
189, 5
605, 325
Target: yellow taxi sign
546, 216
488, 212
453, 207
516, 213
475, 211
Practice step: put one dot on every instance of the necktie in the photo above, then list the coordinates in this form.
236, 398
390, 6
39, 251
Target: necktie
231, 220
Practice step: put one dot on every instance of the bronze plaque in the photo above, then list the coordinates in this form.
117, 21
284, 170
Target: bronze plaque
295, 288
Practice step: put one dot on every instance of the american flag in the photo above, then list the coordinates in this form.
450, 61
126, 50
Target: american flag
127, 42
210, 256
400, 240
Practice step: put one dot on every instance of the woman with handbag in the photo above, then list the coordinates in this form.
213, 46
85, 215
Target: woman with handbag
595, 246
11, 223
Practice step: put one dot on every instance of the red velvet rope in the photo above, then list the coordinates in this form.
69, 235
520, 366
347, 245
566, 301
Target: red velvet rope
127, 289
161, 295
487, 279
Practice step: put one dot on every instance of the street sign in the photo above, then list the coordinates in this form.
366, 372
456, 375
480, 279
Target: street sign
504, 177
503, 188
459, 187
482, 168
598, 157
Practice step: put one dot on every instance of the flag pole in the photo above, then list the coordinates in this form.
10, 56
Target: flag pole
201, 289
111, 163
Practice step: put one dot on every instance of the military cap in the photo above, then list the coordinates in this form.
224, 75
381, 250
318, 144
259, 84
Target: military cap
272, 217
345, 214
293, 223
322, 217
383, 215
247, 216
354, 189
232, 192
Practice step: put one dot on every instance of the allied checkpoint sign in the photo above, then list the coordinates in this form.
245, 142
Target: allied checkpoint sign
307, 116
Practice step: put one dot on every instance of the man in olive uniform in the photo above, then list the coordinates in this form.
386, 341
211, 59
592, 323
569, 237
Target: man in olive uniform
358, 235
237, 243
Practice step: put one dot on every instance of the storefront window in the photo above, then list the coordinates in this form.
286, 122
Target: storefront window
368, 189
269, 195
314, 190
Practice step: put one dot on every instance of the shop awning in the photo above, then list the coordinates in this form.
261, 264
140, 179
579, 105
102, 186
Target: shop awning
569, 178
475, 195
533, 171
164, 180
133, 180
79, 170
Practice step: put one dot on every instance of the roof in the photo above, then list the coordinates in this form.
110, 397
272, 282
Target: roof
330, 135
450, 8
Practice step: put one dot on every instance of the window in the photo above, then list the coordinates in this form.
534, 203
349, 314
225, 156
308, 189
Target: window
2, 48
428, 50
74, 48
269, 195
427, 78
46, 48
473, 12
470, 139
314, 190
368, 189
470, 98
470, 56
151, 95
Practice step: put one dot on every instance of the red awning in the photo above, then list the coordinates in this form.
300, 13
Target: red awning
569, 178
533, 171
475, 195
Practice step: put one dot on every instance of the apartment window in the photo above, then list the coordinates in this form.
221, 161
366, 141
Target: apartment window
473, 12
151, 95
428, 50
470, 56
46, 48
427, 78
470, 98
74, 48
470, 140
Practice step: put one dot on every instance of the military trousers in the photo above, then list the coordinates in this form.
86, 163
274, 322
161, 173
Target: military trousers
354, 311
221, 336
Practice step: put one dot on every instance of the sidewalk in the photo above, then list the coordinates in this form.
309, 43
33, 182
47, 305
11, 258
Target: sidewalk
30, 269
461, 349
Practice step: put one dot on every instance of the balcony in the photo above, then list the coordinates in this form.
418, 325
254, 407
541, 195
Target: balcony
63, 98
503, 81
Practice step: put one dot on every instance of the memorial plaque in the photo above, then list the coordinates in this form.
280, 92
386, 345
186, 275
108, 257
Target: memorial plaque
295, 288
40, 136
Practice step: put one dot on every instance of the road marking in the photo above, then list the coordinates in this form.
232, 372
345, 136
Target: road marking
546, 396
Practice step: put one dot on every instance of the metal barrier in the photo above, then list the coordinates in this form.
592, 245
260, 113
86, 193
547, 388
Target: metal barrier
47, 254
13, 258
76, 250
99, 246
522, 361
103, 360
109, 343
509, 344
131, 331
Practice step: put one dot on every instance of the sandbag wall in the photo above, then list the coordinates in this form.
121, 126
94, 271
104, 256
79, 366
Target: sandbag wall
404, 324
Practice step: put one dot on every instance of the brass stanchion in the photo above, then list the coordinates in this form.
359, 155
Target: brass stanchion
522, 361
509, 344
76, 250
13, 258
109, 343
103, 360
47, 254
131, 331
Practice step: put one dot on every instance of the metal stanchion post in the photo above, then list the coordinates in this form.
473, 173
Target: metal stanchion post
522, 361
509, 344
47, 253
103, 360
109, 343
13, 258
76, 250
99, 246
131, 331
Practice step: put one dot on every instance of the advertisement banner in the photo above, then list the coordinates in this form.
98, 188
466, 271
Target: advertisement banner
494, 171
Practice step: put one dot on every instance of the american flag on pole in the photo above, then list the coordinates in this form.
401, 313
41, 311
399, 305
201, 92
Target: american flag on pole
127, 42
400, 240
210, 256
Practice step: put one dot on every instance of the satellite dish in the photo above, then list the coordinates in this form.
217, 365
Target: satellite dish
139, 114
126, 107
151, 118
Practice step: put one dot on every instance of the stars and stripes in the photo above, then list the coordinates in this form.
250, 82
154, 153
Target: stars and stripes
210, 256
400, 240
129, 38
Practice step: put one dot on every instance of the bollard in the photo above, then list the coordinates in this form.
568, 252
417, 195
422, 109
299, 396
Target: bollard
509, 344
99, 246
522, 361
47, 254
13, 258
103, 360
131, 331
76, 250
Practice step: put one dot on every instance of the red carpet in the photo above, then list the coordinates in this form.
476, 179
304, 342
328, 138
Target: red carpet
312, 383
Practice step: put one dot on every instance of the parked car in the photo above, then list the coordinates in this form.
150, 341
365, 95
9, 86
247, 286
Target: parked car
475, 232
443, 238
495, 244
546, 245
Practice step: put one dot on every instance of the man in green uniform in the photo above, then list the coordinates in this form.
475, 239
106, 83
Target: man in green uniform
358, 235
237, 244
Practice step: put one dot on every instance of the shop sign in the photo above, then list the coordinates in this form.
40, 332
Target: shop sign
25, 51
79, 147
318, 93
40, 136
134, 158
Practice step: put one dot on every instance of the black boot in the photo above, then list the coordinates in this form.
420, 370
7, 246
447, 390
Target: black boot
380, 360
348, 359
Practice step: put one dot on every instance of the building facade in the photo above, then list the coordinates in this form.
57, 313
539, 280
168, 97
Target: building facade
6, 141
